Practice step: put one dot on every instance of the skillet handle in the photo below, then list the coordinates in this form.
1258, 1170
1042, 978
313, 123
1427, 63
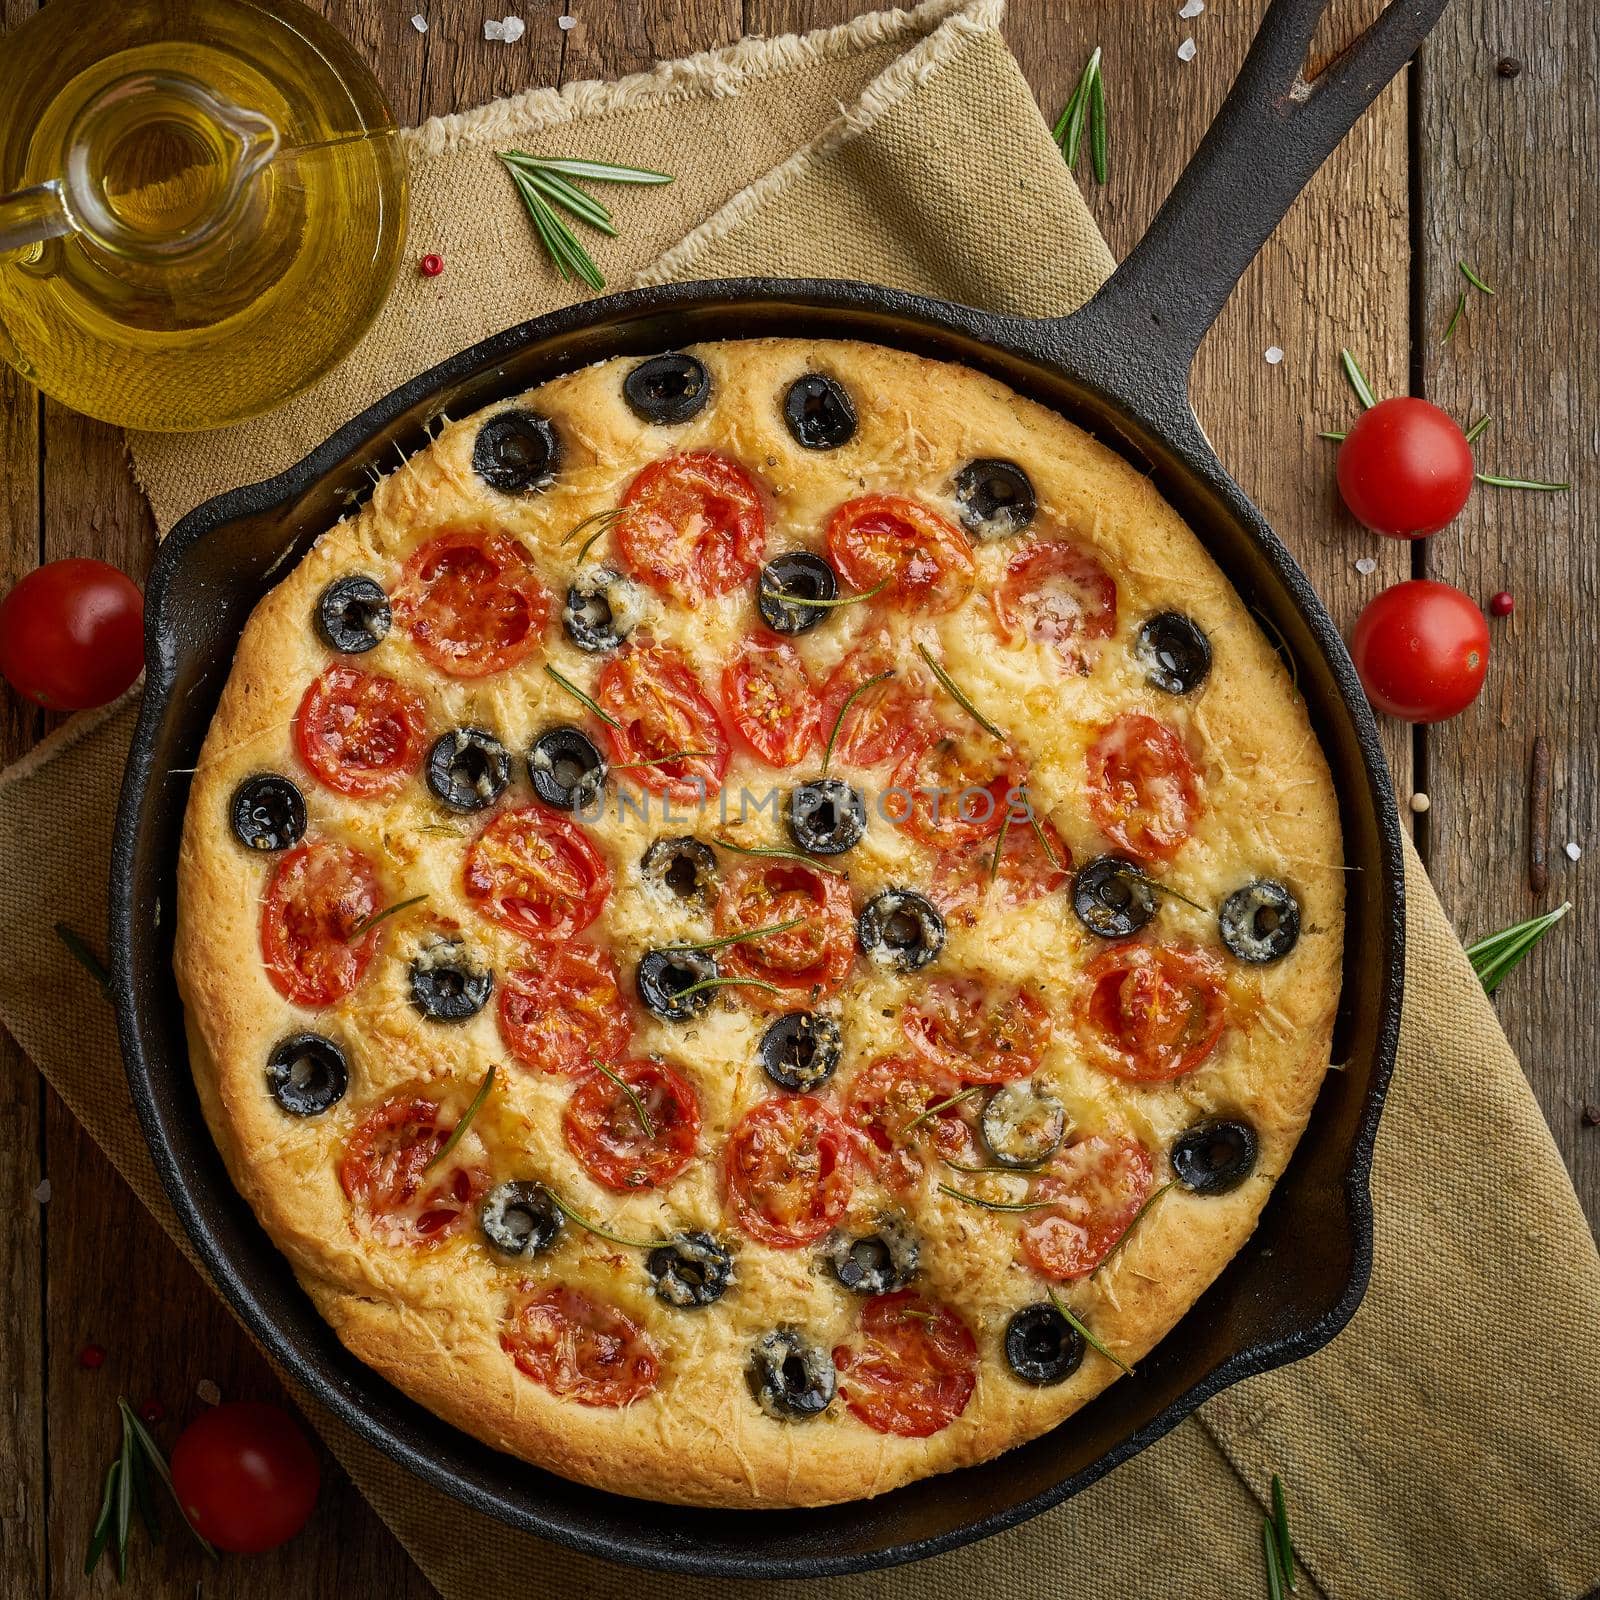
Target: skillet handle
1139, 334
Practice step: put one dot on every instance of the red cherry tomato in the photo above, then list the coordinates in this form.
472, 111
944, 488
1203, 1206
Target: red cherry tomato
911, 1367
472, 602
655, 697
579, 1348
605, 1132
318, 896
1422, 649
787, 1167
693, 526
811, 960
1058, 595
1143, 789
926, 560
360, 733
385, 1174
771, 702
1405, 468
567, 1012
889, 1107
72, 634
965, 877
535, 872
952, 787
246, 1476
1099, 1183
980, 1034
1152, 1012
881, 720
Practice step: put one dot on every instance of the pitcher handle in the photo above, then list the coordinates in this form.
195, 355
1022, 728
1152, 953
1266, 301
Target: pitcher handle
30, 216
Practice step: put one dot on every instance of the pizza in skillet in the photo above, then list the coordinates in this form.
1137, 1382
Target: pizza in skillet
759, 923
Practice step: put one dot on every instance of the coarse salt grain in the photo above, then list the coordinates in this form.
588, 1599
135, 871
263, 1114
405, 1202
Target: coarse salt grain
209, 1393
566, 22
420, 23
42, 1192
1420, 802
1186, 50
1573, 851
513, 29
1274, 355
493, 29
1367, 565
1192, 8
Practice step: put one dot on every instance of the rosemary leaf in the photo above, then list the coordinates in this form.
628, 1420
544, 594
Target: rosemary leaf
739, 938
1083, 1328
1064, 121
994, 1205
606, 517
568, 195
1473, 278
1280, 1526
849, 700
1039, 834
646, 1126
124, 1508
1477, 428
85, 957
1122, 1238
1269, 1551
1338, 438
1358, 379
1078, 121
961, 1166
725, 983
458, 1133
932, 1111
1496, 955
582, 699
1495, 482
777, 853
661, 761
1455, 317
101, 1533
999, 845
367, 924
569, 256
954, 690
839, 600
590, 1227
158, 1464
1098, 137
595, 171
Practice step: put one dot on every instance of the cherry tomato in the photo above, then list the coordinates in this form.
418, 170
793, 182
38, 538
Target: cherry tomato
1058, 595
771, 702
385, 1173
1144, 792
952, 787
318, 896
881, 720
811, 960
1152, 1012
693, 526
981, 1034
911, 1367
614, 1144
472, 602
72, 634
246, 1476
567, 1012
1099, 1184
787, 1167
1422, 649
890, 1110
360, 733
965, 877
535, 872
926, 560
655, 697
579, 1348
1405, 468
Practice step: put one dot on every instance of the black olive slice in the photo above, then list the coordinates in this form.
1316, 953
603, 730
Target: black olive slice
1175, 654
516, 452
801, 1050
667, 389
1022, 1125
448, 982
520, 1219
567, 769
468, 769
306, 1074
353, 615
693, 1270
799, 575
878, 1262
665, 974
1214, 1156
1112, 897
268, 813
681, 869
819, 412
597, 611
826, 817
901, 929
995, 498
1260, 922
791, 1378
1042, 1347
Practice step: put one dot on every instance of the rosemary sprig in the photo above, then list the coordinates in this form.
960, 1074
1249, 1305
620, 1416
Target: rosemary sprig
1085, 111
961, 1166
1358, 380
999, 845
1039, 834
85, 957
1476, 430
1495, 955
1280, 1528
604, 518
1473, 278
560, 242
367, 924
582, 699
661, 761
1496, 482
725, 983
776, 853
929, 1112
1455, 317
956, 693
575, 1216
1122, 1238
737, 938
849, 700
994, 1205
458, 1133
1083, 1328
838, 600
646, 1126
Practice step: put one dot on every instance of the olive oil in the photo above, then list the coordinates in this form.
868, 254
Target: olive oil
207, 207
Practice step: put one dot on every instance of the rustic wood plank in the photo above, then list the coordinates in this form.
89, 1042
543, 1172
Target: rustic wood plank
609, 40
1502, 167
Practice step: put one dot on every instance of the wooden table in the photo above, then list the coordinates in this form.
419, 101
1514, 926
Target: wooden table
1460, 161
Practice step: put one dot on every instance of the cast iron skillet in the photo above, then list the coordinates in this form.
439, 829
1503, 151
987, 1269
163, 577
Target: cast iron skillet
1119, 366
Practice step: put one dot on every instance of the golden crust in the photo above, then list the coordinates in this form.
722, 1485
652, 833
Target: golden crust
429, 1320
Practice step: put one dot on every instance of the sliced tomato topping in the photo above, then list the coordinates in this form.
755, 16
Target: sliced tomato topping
771, 702
1144, 792
966, 877
385, 1173
579, 1348
566, 1013
1152, 1012
787, 1167
926, 560
811, 960
1099, 1183
319, 895
638, 1137
653, 695
905, 1111
911, 1366
980, 1033
953, 787
693, 525
473, 602
535, 872
882, 720
1058, 595
361, 733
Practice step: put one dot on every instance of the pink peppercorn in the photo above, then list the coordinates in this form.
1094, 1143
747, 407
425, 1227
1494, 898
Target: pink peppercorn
91, 1358
430, 266
151, 1412
1502, 605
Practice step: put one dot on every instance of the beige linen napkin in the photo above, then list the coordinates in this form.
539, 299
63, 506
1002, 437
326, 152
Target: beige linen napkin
1448, 1443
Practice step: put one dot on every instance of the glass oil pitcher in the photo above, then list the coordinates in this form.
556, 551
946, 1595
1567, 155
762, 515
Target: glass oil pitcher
202, 205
